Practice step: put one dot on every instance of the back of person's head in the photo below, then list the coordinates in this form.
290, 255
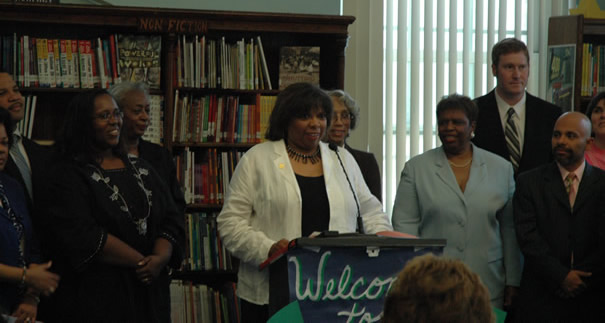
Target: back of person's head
349, 103
76, 139
437, 289
508, 46
296, 101
121, 90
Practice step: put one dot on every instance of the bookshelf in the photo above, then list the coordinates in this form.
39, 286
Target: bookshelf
82, 22
577, 30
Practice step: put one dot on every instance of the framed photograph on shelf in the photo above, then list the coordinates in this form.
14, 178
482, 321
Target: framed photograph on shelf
561, 69
298, 64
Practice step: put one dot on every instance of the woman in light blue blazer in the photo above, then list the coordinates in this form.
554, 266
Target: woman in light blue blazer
463, 193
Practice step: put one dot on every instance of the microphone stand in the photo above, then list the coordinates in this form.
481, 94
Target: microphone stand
359, 220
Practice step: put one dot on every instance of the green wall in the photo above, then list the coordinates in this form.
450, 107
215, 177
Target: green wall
329, 7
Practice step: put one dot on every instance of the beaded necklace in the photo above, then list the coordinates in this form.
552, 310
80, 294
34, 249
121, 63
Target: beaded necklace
98, 175
313, 158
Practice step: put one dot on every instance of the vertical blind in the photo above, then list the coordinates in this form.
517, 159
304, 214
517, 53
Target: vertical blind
433, 48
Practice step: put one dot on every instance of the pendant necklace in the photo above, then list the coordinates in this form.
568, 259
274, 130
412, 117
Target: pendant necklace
313, 158
99, 176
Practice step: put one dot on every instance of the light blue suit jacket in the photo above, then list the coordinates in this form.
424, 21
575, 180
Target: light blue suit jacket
478, 224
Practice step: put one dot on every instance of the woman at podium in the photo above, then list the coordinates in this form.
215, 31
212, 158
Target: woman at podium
463, 193
291, 186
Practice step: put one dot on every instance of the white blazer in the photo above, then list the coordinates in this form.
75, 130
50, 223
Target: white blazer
263, 205
478, 224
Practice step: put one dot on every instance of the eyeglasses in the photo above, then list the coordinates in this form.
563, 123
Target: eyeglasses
344, 116
106, 116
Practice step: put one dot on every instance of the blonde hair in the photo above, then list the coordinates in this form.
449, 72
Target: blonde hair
437, 289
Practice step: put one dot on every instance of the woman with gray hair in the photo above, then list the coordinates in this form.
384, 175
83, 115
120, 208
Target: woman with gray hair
134, 101
344, 119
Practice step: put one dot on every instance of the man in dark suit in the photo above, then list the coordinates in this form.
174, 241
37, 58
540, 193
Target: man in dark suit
533, 117
33, 156
560, 224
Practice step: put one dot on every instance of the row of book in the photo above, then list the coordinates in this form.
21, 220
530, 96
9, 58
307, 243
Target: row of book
205, 174
26, 125
81, 63
212, 63
155, 130
191, 303
204, 248
593, 70
216, 118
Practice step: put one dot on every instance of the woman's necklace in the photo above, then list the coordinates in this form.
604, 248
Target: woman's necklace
313, 158
99, 176
468, 162
17, 223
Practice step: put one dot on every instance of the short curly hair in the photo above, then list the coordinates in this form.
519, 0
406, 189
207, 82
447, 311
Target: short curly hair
456, 101
437, 289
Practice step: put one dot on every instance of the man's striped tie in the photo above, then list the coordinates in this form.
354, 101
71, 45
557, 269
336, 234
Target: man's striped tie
512, 139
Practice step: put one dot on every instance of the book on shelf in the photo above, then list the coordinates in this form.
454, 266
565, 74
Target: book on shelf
204, 248
561, 61
220, 119
216, 63
65, 63
139, 58
263, 61
191, 302
202, 176
298, 64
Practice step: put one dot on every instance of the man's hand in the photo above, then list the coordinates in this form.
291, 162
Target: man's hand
573, 284
510, 293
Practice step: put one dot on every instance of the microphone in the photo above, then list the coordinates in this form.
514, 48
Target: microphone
359, 221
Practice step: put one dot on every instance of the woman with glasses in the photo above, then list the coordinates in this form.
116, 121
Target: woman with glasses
344, 119
112, 224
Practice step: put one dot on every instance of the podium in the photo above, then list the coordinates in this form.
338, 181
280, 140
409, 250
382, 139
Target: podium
343, 278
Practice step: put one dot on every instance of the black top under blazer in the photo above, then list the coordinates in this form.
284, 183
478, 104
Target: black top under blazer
369, 169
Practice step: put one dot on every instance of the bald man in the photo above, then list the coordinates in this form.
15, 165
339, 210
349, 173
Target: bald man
559, 215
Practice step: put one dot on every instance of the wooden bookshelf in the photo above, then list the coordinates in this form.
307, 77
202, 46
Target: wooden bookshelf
576, 30
276, 30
